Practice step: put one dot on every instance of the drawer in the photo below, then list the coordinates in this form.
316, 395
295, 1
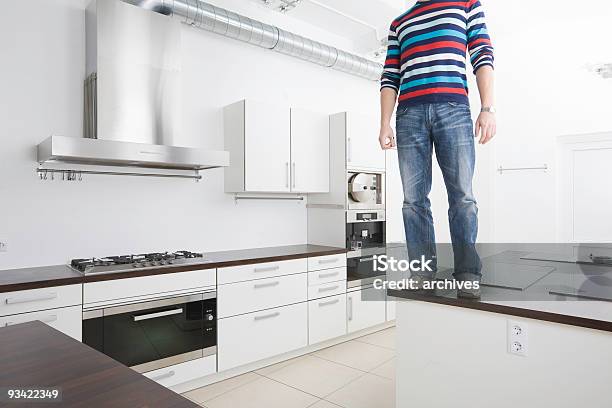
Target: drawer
326, 262
326, 289
327, 276
165, 284
256, 336
261, 271
68, 320
24, 301
326, 318
245, 297
183, 372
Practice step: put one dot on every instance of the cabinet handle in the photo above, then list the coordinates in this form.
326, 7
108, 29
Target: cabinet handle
266, 285
349, 149
163, 376
287, 174
328, 275
13, 301
329, 303
350, 308
327, 261
329, 289
48, 319
293, 175
268, 316
158, 314
267, 269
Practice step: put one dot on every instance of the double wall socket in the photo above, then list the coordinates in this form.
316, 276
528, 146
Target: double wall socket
518, 339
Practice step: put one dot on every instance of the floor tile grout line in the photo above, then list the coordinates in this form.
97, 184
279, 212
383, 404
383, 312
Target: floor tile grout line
295, 388
231, 389
377, 345
342, 364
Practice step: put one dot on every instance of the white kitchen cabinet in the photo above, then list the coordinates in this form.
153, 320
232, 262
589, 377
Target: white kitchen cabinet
250, 296
326, 262
309, 151
255, 336
326, 318
68, 320
362, 147
263, 270
183, 372
365, 308
327, 276
275, 149
32, 300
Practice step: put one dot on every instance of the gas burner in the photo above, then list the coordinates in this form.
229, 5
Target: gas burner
122, 263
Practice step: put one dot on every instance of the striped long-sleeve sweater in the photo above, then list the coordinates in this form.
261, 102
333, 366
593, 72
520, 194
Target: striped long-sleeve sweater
426, 56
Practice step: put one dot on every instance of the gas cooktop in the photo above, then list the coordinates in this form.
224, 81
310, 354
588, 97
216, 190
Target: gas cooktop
123, 263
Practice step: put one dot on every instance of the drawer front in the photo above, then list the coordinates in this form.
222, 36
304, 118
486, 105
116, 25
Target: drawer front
261, 271
183, 372
24, 301
326, 289
326, 318
326, 262
66, 319
245, 297
327, 276
256, 336
113, 290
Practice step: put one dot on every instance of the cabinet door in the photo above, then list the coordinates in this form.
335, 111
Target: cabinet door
365, 308
68, 320
267, 148
326, 318
362, 148
309, 152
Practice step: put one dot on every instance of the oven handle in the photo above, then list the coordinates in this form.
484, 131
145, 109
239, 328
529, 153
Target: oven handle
158, 314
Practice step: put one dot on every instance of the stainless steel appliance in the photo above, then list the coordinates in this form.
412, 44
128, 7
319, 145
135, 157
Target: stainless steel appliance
365, 191
157, 333
124, 263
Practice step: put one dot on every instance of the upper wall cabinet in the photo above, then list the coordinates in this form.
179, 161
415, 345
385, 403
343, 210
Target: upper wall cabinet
275, 149
362, 148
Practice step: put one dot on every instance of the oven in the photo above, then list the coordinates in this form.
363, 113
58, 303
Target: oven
155, 334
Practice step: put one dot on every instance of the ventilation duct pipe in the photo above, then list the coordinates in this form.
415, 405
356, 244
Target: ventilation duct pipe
203, 15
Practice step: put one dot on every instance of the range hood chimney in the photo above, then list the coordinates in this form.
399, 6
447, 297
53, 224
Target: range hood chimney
132, 95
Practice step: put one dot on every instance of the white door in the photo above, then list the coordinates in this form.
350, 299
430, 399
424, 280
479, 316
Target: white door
267, 147
362, 148
309, 152
365, 308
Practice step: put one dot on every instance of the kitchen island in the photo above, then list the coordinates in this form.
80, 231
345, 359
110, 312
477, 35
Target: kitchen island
561, 357
34, 355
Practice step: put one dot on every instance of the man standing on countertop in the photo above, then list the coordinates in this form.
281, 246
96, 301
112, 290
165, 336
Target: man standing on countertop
426, 67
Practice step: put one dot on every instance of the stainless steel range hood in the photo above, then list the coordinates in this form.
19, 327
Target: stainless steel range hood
132, 95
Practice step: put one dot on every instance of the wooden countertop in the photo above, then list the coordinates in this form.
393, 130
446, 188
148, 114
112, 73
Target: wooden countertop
35, 355
57, 275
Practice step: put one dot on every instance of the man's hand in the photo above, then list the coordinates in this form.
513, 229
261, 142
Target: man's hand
386, 138
486, 127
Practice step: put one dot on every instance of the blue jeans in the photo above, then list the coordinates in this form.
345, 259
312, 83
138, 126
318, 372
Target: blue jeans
446, 127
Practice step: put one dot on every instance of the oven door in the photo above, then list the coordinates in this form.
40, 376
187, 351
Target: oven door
151, 335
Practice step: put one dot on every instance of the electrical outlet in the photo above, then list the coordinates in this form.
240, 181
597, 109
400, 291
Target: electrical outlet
518, 340
3, 245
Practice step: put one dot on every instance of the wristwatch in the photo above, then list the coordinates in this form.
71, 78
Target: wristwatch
489, 109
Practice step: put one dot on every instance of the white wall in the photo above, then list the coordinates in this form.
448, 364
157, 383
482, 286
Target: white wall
42, 48
452, 356
543, 91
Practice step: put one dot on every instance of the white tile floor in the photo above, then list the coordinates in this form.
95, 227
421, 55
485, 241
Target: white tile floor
357, 374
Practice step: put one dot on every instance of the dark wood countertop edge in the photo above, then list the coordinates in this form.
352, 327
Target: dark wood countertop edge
38, 284
577, 321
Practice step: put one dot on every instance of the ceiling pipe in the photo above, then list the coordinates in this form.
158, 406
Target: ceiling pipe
208, 17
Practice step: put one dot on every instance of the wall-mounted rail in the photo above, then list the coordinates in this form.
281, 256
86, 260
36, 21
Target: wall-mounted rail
264, 198
502, 169
74, 175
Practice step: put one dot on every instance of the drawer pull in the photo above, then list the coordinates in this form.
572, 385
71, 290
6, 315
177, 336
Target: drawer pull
268, 316
267, 269
13, 301
48, 319
327, 261
157, 314
328, 275
350, 308
328, 289
329, 303
163, 376
266, 285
